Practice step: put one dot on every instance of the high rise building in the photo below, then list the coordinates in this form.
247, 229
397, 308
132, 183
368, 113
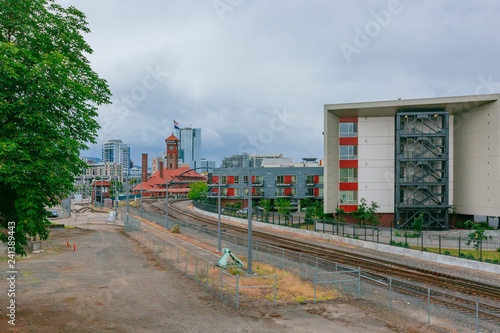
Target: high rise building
208, 166
244, 160
190, 146
117, 151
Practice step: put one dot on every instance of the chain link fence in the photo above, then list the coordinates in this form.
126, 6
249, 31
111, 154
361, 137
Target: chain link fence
462, 246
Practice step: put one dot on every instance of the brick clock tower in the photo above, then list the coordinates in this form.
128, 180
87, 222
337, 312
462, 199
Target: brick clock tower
172, 152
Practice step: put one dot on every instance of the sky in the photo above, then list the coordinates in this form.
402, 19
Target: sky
255, 75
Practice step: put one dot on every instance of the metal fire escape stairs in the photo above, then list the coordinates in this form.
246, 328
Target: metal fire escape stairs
422, 168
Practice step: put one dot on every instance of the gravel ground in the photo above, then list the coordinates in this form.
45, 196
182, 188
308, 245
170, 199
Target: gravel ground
113, 284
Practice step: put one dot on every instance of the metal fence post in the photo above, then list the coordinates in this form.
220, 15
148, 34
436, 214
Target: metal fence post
477, 317
300, 260
275, 282
359, 282
480, 250
390, 294
439, 243
220, 283
164, 243
429, 306
459, 243
283, 259
178, 260
196, 268
187, 263
315, 272
208, 284
237, 291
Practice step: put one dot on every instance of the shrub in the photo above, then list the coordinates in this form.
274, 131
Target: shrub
175, 229
446, 252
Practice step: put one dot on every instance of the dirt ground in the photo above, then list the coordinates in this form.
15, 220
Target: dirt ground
113, 284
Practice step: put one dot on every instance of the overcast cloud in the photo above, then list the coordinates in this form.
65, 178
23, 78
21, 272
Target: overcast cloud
255, 75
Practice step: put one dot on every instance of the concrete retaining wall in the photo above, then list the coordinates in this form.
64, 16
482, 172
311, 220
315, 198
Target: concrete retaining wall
433, 257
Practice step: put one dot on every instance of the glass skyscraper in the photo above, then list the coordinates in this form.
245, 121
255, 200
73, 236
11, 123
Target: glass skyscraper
117, 151
190, 147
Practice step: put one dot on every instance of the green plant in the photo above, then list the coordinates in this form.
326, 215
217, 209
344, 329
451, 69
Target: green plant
49, 100
267, 206
478, 235
284, 207
418, 223
175, 229
446, 252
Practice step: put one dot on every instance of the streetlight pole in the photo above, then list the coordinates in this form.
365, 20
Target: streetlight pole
166, 201
249, 265
128, 199
141, 198
218, 221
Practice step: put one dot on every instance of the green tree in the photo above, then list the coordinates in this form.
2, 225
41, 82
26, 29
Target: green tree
267, 206
283, 207
49, 96
197, 191
418, 224
361, 212
477, 236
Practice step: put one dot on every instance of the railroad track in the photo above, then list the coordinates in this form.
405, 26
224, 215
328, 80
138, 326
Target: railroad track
377, 270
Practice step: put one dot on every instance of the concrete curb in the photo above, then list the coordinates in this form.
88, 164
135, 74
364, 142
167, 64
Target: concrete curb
427, 256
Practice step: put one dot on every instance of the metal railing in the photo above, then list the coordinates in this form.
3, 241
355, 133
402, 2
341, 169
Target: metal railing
428, 241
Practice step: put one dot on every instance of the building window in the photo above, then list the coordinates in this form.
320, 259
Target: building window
223, 192
293, 192
309, 179
348, 130
223, 180
348, 175
258, 192
320, 179
236, 191
280, 179
294, 179
280, 192
245, 179
245, 192
320, 192
259, 179
349, 197
236, 179
348, 152
310, 192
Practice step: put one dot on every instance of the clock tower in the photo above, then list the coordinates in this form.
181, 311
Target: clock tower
172, 152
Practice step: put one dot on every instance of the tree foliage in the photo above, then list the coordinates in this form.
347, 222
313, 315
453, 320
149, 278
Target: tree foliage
283, 207
197, 191
367, 214
267, 206
48, 104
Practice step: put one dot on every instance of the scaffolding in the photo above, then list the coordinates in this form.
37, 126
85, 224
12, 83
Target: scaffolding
422, 168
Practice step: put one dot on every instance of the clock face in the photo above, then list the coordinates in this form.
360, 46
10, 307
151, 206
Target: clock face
171, 147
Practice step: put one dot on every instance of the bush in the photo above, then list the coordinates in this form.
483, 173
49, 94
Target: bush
175, 229
446, 252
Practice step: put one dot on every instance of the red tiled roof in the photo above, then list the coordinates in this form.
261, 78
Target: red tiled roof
172, 138
98, 183
155, 182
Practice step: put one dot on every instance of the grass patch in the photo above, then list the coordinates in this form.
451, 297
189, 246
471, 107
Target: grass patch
488, 256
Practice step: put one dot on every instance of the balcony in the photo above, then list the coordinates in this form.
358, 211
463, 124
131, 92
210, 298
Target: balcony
216, 185
283, 185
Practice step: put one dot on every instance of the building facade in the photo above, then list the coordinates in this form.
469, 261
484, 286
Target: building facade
207, 167
294, 183
105, 170
190, 146
118, 152
247, 161
412, 157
